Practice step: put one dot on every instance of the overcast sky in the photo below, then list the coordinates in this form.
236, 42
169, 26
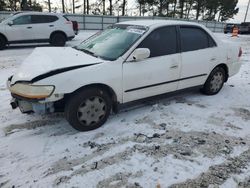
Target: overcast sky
243, 7
242, 4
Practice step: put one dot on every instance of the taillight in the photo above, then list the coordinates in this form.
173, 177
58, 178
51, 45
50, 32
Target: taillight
68, 22
240, 52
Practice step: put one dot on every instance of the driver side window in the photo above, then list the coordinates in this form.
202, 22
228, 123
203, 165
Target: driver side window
160, 42
22, 20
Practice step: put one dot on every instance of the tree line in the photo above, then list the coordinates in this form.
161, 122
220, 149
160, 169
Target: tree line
220, 10
18, 5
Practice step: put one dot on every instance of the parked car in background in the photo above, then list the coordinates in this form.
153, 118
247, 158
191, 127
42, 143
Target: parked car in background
244, 28
228, 28
127, 62
35, 27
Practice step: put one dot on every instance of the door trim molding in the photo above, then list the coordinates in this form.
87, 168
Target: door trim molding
162, 83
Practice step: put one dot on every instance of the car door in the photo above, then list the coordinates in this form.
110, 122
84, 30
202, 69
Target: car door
21, 29
198, 53
43, 25
157, 74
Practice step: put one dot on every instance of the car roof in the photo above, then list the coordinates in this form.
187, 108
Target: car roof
156, 23
35, 13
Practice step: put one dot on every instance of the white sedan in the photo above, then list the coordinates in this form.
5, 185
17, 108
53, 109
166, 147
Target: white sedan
126, 62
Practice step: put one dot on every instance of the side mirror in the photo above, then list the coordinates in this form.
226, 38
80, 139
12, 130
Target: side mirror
140, 54
10, 23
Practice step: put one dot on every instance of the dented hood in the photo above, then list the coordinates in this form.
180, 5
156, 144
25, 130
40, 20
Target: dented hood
45, 60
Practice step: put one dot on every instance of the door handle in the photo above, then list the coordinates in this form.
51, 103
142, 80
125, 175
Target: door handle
174, 67
213, 59
29, 27
51, 25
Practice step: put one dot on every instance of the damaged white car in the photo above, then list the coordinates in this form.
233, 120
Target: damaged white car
126, 62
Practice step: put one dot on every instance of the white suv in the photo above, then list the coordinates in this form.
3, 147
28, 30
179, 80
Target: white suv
30, 27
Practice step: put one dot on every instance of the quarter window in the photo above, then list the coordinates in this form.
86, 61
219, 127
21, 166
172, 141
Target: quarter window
22, 20
160, 42
193, 38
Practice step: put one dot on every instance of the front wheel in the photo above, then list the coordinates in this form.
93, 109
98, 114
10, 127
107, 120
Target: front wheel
214, 82
88, 109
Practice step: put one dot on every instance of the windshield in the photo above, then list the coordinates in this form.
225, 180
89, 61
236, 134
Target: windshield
112, 42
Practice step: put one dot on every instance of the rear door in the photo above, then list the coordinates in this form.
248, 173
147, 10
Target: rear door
157, 74
199, 53
43, 25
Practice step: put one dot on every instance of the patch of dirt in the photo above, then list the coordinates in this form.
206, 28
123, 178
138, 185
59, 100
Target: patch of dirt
218, 174
119, 180
4, 183
232, 126
182, 145
245, 183
29, 125
243, 113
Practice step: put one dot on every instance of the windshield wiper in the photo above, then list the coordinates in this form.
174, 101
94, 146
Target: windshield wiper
88, 52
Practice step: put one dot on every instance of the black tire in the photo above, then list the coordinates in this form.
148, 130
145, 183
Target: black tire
2, 43
214, 82
83, 105
58, 39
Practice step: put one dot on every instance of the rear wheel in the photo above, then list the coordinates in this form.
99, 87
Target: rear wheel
2, 42
215, 81
58, 39
88, 109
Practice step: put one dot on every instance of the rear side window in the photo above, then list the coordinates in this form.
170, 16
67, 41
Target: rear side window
43, 18
66, 18
193, 38
162, 41
26, 19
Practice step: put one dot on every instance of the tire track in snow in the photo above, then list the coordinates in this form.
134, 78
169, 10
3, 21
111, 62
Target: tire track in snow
218, 174
182, 145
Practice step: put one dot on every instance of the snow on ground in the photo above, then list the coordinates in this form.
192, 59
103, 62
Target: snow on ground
187, 140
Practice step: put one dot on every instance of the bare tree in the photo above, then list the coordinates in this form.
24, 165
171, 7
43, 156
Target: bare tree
110, 7
84, 6
87, 1
103, 7
123, 7
73, 6
49, 4
63, 6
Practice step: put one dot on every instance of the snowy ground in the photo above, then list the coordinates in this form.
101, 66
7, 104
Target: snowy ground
189, 140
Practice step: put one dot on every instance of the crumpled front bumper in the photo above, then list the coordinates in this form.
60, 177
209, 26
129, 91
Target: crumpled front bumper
31, 106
